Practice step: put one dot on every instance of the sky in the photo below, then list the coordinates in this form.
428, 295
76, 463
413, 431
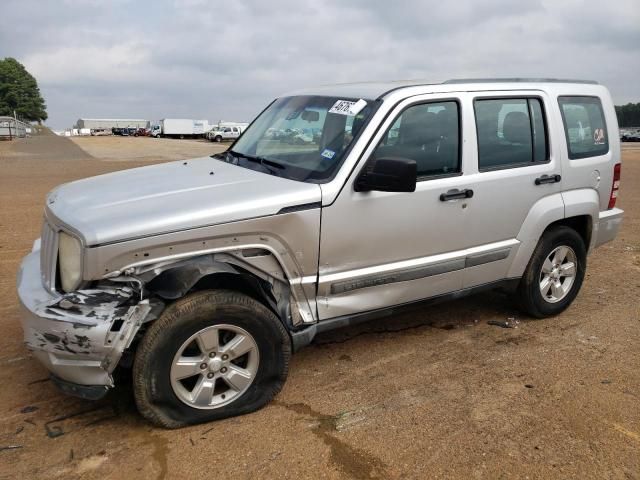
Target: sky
226, 60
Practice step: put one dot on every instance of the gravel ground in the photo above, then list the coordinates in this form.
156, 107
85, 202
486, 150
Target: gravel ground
437, 393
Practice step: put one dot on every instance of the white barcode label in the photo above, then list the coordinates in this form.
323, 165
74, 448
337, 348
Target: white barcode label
346, 107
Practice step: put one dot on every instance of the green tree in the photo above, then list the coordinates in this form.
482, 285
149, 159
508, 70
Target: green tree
19, 92
628, 115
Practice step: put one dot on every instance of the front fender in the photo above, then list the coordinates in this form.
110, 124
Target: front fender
292, 252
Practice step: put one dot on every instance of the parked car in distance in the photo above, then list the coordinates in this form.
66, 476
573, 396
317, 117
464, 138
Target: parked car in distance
124, 131
99, 132
201, 277
226, 131
142, 132
630, 135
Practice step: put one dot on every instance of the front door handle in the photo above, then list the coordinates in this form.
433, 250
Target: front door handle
456, 194
548, 179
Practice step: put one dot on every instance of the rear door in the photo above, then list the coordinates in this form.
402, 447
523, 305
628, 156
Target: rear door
515, 167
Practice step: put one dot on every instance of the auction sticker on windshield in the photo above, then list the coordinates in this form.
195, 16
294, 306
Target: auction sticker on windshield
346, 107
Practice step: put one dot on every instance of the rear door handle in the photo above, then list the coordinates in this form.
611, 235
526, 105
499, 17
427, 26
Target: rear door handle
456, 194
548, 179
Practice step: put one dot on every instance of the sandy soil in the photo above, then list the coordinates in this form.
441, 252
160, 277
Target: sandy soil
437, 393
146, 148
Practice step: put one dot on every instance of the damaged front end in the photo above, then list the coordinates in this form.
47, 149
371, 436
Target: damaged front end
253, 271
81, 336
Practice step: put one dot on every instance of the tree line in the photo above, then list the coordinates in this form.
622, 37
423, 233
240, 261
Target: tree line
19, 93
628, 115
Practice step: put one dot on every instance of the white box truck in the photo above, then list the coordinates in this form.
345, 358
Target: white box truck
180, 128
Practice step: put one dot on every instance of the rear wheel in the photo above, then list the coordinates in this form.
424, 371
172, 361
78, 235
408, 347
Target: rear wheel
555, 273
211, 355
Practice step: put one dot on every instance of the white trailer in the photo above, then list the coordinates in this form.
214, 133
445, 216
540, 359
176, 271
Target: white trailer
180, 128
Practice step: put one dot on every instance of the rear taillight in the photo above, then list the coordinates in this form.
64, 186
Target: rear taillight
616, 186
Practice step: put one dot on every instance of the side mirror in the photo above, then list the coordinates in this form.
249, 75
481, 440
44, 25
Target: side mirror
389, 175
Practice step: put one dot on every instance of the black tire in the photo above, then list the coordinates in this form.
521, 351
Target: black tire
530, 298
218, 138
152, 388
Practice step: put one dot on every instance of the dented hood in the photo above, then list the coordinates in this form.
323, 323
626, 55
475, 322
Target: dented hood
170, 197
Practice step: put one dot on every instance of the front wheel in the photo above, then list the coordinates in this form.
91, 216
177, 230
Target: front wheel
218, 138
555, 273
211, 355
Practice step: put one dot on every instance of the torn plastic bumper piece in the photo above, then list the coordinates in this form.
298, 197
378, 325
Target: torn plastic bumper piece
87, 392
79, 337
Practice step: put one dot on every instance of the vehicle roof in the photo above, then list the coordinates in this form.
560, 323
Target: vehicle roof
377, 90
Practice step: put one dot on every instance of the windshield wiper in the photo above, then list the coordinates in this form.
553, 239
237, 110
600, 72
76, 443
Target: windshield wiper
266, 163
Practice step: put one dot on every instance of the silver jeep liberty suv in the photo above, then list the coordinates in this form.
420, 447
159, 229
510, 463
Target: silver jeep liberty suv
337, 204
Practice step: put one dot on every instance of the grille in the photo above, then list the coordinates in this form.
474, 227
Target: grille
48, 256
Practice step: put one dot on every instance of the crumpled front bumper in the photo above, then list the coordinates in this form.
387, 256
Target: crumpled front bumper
79, 337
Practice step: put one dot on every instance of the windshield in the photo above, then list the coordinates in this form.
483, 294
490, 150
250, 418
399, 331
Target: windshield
302, 138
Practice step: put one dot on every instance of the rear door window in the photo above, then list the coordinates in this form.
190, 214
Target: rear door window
584, 126
511, 132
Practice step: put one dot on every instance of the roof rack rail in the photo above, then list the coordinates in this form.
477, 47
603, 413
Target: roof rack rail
518, 80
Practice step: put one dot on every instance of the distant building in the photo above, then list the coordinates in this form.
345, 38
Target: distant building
109, 123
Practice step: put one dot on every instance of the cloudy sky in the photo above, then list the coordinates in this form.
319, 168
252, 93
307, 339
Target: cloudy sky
226, 59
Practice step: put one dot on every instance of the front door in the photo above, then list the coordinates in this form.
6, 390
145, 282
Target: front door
380, 249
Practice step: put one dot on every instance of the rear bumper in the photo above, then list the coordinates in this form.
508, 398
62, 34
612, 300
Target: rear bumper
609, 222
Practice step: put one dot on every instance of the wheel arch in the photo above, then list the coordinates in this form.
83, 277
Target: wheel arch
582, 210
583, 224
575, 209
545, 211
254, 272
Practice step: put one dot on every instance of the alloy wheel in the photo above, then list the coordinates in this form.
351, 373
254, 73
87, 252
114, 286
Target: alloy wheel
214, 366
558, 274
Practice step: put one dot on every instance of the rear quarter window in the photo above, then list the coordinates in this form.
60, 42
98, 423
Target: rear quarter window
584, 126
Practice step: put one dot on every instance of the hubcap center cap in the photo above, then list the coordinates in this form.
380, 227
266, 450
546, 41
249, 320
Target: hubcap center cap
215, 364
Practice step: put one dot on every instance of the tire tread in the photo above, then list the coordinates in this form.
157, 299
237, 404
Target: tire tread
172, 314
528, 290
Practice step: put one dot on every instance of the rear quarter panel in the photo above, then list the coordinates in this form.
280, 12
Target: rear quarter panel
594, 173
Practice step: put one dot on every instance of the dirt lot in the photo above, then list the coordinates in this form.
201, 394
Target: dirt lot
145, 149
437, 393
